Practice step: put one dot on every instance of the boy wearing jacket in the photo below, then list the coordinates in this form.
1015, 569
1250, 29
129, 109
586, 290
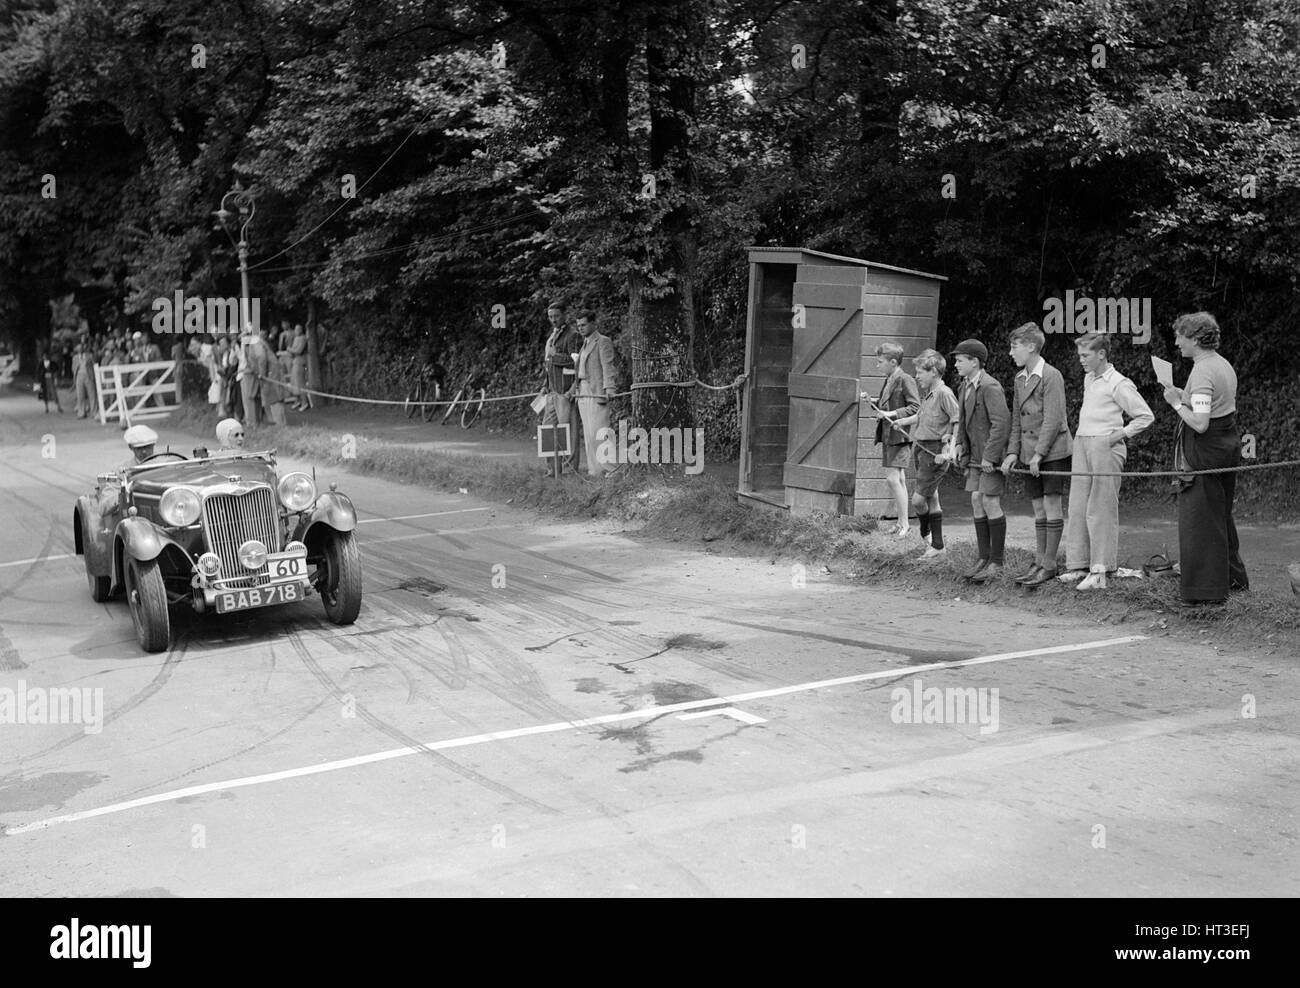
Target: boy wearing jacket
1040, 439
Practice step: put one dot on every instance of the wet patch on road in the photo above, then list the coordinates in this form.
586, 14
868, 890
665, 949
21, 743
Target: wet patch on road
693, 755
38, 792
589, 684
667, 693
694, 642
421, 585
688, 641
621, 624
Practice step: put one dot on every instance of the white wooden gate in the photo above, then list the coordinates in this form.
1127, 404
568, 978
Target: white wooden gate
130, 392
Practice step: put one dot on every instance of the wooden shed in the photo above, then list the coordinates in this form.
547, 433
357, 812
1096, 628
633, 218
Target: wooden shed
814, 323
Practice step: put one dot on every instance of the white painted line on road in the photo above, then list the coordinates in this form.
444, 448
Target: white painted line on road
566, 725
740, 715
427, 514
38, 559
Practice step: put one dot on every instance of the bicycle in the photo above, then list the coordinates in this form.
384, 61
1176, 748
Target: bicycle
470, 399
425, 389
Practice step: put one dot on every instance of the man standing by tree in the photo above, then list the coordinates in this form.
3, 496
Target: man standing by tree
597, 383
563, 342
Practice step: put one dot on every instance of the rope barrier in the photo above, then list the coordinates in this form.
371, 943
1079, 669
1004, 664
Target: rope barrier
639, 386
1026, 472
735, 385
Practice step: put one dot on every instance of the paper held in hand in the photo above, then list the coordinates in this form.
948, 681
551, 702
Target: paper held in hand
1164, 371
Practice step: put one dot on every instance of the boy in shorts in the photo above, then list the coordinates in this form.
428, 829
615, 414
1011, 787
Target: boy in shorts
1040, 439
979, 443
898, 398
936, 421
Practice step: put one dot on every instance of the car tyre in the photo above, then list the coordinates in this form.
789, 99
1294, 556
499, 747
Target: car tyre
100, 586
340, 582
147, 596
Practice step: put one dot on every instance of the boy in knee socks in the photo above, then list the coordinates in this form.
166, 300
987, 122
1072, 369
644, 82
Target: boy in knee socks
935, 422
1041, 440
979, 445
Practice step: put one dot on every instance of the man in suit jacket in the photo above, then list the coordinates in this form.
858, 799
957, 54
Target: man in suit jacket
979, 444
597, 382
1041, 439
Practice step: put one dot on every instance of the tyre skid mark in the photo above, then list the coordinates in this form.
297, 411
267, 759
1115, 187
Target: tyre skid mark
174, 656
304, 654
157, 783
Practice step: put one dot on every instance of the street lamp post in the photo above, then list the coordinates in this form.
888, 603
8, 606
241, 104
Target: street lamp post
246, 206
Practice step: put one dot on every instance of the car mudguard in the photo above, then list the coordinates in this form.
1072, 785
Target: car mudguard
91, 537
332, 509
139, 538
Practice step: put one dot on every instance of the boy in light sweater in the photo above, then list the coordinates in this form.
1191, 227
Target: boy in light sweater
1100, 445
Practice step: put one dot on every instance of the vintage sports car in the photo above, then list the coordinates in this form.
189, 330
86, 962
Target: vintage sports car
222, 533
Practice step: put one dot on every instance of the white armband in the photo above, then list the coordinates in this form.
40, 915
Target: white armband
1201, 403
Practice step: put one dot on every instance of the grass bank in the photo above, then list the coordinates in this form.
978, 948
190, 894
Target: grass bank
703, 512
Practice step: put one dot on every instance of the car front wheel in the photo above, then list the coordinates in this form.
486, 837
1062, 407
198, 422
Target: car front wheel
147, 596
339, 577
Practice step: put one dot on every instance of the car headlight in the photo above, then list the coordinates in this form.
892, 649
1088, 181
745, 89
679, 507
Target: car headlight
296, 491
180, 506
252, 554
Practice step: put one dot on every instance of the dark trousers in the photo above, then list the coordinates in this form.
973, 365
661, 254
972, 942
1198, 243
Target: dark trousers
1209, 559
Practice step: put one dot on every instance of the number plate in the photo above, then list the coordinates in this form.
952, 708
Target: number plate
287, 565
242, 600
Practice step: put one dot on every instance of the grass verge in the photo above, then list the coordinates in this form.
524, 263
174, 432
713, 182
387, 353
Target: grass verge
704, 512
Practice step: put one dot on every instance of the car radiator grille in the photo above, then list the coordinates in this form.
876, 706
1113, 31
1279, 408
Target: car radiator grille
230, 520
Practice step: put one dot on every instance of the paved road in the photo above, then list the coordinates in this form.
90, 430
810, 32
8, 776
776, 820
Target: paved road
620, 718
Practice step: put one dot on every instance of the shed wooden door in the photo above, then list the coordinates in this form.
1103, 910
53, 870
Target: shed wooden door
823, 385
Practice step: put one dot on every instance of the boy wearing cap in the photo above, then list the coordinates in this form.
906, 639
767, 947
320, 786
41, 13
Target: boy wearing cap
936, 420
1041, 440
979, 444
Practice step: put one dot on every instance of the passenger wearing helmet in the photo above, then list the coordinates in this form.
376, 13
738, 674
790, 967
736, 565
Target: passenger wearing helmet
230, 436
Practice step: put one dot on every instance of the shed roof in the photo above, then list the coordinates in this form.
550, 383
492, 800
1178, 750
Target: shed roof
772, 255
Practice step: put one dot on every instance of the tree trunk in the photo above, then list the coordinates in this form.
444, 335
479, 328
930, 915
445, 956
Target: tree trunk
313, 347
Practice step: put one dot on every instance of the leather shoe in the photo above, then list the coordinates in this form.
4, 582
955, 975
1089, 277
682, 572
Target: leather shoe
1044, 576
990, 572
1029, 574
980, 567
